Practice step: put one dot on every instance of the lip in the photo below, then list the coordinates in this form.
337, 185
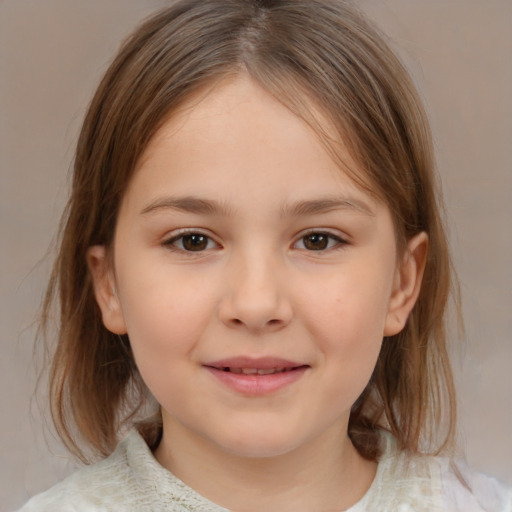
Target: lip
256, 384
263, 363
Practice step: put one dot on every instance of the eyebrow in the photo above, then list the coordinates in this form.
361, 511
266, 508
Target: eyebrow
325, 205
188, 204
191, 204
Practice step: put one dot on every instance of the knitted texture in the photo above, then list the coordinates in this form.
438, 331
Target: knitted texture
131, 480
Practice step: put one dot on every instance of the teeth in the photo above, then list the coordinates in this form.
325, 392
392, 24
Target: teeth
268, 371
256, 371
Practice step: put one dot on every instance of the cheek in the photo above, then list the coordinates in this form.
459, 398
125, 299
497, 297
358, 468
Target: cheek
165, 312
346, 317
166, 316
353, 304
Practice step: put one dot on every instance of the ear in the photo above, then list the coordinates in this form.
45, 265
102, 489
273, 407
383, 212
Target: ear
105, 289
407, 284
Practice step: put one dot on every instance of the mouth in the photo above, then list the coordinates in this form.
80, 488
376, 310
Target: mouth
257, 376
255, 371
255, 366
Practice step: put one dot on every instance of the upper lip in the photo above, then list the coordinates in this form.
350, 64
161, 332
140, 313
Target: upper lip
259, 363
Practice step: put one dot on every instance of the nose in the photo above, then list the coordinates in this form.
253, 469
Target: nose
256, 297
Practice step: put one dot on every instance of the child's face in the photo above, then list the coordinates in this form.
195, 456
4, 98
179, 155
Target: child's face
241, 246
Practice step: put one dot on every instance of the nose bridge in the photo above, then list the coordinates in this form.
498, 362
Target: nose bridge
256, 295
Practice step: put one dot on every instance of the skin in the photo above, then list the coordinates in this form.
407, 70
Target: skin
260, 285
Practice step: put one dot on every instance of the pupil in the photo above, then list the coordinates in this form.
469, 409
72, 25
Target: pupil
195, 242
316, 241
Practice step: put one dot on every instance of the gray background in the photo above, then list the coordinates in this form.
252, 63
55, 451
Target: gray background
52, 53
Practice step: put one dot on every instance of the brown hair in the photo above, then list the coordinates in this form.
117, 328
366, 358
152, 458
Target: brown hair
304, 52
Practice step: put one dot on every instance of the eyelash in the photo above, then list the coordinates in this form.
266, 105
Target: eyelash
338, 241
171, 243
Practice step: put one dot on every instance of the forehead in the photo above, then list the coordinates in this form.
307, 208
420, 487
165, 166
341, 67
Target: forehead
238, 156
236, 117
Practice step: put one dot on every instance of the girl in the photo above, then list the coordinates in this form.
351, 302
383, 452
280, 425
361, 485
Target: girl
253, 276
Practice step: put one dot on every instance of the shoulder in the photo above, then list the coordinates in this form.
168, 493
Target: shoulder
100, 486
470, 491
130, 480
421, 483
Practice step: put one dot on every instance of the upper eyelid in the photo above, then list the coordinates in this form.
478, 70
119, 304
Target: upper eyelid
326, 231
177, 234
172, 237
341, 240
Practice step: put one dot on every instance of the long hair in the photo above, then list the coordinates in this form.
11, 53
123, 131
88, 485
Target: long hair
312, 55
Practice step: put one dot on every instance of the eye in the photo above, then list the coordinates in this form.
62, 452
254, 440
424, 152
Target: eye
318, 241
191, 242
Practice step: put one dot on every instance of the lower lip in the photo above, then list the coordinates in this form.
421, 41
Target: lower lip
258, 385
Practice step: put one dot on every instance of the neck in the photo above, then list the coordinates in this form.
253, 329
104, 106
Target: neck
326, 474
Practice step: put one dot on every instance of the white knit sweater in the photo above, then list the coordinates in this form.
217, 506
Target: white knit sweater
131, 480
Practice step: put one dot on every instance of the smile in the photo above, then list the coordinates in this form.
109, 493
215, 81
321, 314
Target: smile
256, 377
256, 371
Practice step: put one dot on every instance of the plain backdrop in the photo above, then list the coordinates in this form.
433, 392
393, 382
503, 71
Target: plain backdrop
52, 53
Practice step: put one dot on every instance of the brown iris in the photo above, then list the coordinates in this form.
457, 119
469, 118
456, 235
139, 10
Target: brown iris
195, 242
316, 241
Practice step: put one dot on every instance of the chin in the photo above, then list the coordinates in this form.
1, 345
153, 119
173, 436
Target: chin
263, 444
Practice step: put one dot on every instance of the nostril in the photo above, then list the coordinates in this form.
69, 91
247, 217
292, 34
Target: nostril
273, 322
